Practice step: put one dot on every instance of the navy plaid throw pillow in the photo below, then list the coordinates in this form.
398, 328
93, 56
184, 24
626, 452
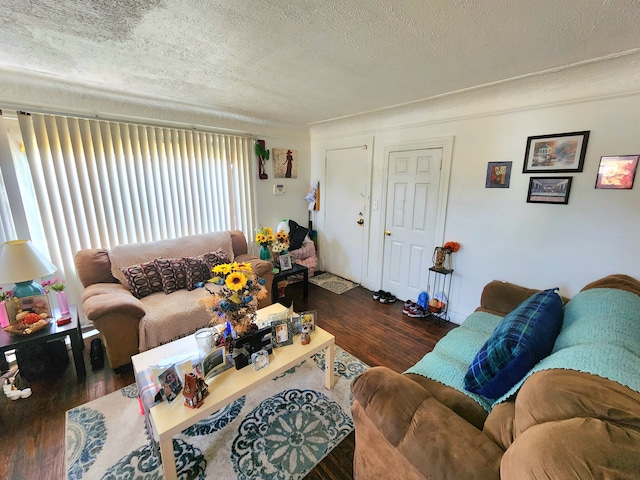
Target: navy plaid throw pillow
523, 338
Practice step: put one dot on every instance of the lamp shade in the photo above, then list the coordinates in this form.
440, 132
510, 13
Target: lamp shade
20, 261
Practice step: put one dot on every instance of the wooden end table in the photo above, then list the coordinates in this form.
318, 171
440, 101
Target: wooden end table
10, 341
168, 420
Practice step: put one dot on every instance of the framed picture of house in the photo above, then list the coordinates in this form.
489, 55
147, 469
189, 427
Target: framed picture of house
498, 175
556, 153
549, 190
617, 172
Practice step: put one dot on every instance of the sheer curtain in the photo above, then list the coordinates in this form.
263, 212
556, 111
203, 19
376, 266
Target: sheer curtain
97, 183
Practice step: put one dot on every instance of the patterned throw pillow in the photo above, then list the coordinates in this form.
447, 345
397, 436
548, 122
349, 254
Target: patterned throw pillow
215, 258
523, 338
143, 279
196, 271
173, 274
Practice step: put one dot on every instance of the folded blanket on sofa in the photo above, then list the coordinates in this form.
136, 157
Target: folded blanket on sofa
600, 335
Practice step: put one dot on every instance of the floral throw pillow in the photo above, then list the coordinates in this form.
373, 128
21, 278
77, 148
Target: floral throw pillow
143, 279
172, 272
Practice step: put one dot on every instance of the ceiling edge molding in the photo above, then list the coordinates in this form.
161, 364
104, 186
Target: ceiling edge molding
28, 90
616, 77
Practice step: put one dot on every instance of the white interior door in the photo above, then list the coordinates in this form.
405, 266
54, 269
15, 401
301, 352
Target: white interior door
344, 224
410, 220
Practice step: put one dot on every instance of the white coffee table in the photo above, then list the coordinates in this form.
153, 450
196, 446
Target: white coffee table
169, 420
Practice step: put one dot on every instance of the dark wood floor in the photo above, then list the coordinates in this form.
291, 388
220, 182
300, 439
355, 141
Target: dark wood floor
32, 430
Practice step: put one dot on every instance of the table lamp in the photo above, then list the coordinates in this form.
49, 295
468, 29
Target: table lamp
20, 263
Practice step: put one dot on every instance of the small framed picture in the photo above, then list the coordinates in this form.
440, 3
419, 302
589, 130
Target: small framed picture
282, 333
296, 324
214, 362
308, 319
260, 359
549, 190
556, 153
498, 175
617, 172
285, 261
171, 383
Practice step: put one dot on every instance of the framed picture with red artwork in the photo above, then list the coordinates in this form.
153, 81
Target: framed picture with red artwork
617, 172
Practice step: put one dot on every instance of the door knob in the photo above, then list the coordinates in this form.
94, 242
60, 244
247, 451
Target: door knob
360, 222
387, 232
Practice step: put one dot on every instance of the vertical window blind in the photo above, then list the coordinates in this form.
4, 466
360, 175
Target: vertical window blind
96, 183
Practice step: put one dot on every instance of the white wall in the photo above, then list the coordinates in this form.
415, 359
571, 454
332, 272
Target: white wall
502, 236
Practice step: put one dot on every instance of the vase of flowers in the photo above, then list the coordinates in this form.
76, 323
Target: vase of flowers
57, 285
232, 296
4, 314
442, 255
280, 245
264, 238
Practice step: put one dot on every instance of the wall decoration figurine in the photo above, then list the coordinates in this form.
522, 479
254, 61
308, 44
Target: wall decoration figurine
498, 175
561, 152
263, 156
285, 163
617, 172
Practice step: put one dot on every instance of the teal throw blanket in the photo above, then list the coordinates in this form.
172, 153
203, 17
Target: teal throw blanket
600, 335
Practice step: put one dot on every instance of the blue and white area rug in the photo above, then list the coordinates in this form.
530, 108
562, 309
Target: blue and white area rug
279, 431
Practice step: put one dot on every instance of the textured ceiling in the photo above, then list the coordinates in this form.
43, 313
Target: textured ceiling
307, 61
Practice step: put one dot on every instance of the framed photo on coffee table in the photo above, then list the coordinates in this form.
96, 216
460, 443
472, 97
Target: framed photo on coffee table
308, 319
281, 332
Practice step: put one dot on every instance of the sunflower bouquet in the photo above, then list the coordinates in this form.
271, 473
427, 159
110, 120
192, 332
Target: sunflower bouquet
236, 297
265, 237
281, 242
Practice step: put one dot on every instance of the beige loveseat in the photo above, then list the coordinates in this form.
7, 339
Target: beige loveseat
130, 325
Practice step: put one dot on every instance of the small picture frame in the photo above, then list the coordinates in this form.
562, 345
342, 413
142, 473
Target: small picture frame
617, 172
171, 385
285, 261
498, 175
260, 359
556, 153
549, 190
296, 324
281, 332
214, 362
308, 318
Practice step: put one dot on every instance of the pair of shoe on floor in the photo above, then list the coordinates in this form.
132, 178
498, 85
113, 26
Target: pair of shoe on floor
413, 310
384, 297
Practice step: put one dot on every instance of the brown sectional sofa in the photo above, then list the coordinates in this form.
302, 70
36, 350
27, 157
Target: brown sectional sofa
561, 423
129, 325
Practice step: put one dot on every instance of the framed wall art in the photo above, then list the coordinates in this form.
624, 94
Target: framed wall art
617, 172
549, 190
285, 163
498, 175
557, 153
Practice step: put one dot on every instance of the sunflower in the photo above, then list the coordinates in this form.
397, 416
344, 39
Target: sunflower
223, 268
236, 281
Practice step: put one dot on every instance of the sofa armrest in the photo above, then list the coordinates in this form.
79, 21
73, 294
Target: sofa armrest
427, 434
102, 299
116, 314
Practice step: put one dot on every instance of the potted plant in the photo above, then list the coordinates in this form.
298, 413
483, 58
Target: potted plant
263, 156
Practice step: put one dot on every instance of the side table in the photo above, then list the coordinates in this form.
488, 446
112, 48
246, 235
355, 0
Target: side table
440, 281
9, 341
284, 274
